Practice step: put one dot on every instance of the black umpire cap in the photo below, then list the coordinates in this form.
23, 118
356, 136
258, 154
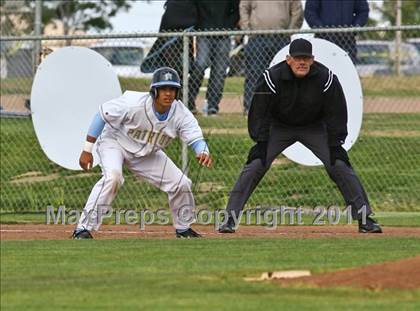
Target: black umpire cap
300, 47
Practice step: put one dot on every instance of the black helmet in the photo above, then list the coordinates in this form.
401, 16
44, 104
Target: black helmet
164, 76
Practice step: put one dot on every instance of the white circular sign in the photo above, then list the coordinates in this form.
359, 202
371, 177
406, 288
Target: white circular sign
341, 65
68, 88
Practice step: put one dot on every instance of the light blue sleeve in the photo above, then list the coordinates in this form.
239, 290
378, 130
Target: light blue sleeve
96, 126
200, 146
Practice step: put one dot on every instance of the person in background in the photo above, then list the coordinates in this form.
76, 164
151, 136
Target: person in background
179, 15
212, 51
338, 13
260, 50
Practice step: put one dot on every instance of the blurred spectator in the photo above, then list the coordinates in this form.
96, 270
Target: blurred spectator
338, 13
260, 50
212, 51
179, 15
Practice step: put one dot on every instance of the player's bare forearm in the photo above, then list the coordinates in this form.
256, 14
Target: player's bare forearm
86, 158
205, 159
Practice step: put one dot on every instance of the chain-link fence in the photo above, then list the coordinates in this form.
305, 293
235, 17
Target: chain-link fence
219, 71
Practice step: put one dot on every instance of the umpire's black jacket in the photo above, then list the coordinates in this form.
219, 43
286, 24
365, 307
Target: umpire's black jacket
282, 98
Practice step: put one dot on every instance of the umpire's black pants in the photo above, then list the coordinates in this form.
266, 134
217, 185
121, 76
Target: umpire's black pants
315, 138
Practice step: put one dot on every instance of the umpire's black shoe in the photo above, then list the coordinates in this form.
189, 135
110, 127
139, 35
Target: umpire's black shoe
81, 235
228, 227
371, 226
187, 234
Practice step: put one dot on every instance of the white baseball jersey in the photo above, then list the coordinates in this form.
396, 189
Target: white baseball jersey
134, 135
131, 120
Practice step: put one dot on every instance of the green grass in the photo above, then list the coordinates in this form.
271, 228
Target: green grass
389, 86
386, 157
403, 219
192, 275
16, 86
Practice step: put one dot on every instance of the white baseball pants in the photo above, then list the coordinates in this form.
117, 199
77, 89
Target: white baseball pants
156, 168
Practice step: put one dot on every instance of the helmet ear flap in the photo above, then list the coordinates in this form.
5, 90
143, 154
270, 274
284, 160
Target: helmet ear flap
153, 92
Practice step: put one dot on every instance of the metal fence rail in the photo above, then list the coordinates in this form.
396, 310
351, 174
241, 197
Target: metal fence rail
386, 156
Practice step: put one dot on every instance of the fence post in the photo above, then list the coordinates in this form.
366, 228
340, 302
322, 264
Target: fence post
398, 39
185, 71
37, 32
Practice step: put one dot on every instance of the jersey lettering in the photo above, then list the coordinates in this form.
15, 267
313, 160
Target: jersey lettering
131, 120
149, 137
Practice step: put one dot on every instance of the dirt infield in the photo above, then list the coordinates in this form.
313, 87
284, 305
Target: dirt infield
402, 274
60, 232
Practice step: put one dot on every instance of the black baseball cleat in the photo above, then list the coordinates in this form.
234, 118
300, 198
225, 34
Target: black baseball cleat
187, 234
371, 226
81, 235
228, 227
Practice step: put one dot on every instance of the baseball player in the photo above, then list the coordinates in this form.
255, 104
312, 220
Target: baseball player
134, 129
300, 100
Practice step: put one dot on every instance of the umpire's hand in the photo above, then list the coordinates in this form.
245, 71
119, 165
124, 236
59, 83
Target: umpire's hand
204, 159
339, 153
258, 151
86, 160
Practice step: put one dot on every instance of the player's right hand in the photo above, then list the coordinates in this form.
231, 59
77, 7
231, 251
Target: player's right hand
204, 159
86, 160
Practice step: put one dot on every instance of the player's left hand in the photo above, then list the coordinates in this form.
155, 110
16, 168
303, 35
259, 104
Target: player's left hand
204, 159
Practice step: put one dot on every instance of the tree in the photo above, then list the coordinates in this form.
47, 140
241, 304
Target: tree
410, 12
85, 15
17, 17
410, 15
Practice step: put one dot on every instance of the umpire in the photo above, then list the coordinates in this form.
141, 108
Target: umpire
301, 100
